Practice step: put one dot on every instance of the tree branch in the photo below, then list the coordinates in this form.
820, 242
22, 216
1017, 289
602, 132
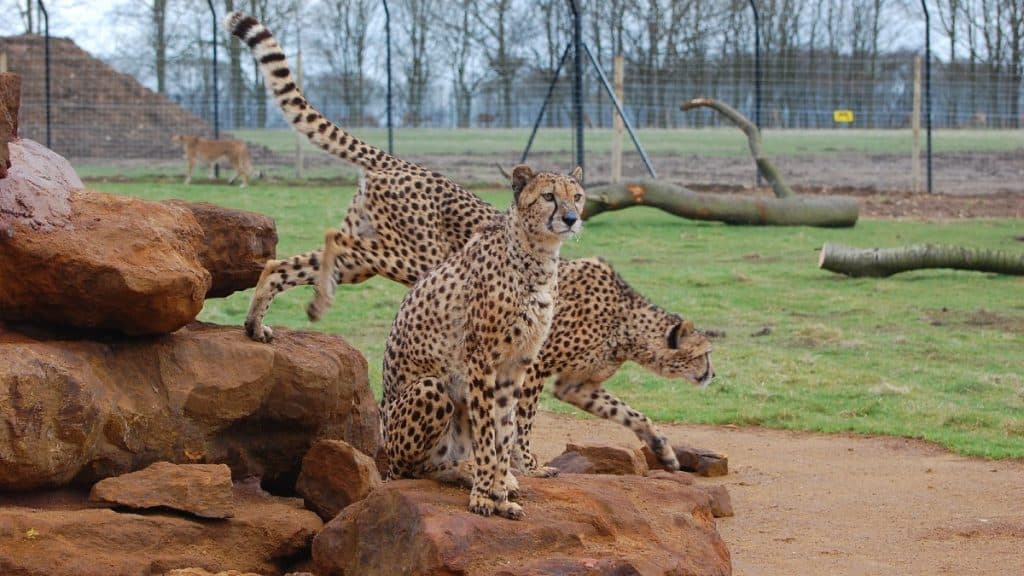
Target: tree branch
879, 263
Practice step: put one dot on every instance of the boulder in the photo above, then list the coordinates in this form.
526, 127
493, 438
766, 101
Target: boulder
36, 191
119, 264
574, 524
202, 572
700, 461
75, 411
334, 475
597, 458
200, 489
236, 245
265, 535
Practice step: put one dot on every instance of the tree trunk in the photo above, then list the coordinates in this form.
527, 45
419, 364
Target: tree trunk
880, 263
235, 73
832, 211
764, 166
160, 44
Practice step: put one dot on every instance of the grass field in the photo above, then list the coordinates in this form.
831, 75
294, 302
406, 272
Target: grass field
728, 142
937, 355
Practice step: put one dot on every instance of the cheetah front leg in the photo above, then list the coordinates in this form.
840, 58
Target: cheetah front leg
593, 398
492, 418
278, 276
523, 458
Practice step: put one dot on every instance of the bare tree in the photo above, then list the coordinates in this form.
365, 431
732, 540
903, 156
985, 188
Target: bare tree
502, 35
343, 45
417, 16
461, 45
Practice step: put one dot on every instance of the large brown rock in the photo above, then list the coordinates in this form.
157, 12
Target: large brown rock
600, 458
236, 245
120, 264
263, 537
575, 524
334, 475
78, 411
200, 489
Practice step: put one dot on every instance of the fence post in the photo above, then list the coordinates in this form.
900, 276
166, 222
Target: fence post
617, 124
577, 85
387, 35
928, 86
915, 127
216, 87
46, 57
757, 72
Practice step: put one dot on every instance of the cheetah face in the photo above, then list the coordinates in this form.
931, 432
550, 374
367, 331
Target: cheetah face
550, 204
682, 352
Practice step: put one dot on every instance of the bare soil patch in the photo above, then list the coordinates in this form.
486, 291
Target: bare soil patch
843, 504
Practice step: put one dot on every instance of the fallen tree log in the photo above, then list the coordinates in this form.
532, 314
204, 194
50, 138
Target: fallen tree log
879, 262
764, 165
829, 212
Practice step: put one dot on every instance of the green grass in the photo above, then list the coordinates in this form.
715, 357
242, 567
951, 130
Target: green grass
728, 142
934, 354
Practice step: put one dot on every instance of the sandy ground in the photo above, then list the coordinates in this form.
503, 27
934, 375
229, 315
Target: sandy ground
815, 504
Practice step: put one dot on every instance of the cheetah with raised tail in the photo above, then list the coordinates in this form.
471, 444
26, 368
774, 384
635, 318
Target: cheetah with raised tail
600, 323
464, 338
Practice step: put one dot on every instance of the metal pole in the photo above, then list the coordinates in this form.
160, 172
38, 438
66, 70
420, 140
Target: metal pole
547, 99
757, 72
928, 86
577, 86
46, 57
618, 108
216, 87
387, 34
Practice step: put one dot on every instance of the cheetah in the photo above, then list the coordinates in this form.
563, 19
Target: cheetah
600, 323
210, 152
403, 221
464, 338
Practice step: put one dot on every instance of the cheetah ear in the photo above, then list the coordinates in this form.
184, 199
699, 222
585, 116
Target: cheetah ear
521, 176
677, 332
577, 174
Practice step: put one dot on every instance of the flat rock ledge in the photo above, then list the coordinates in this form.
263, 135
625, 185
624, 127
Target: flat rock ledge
575, 524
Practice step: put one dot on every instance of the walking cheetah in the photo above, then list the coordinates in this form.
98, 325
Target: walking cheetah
600, 323
464, 338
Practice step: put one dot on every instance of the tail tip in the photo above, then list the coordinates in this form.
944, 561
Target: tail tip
232, 20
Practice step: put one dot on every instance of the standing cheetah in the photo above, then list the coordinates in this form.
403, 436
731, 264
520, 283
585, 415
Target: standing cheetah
600, 323
464, 338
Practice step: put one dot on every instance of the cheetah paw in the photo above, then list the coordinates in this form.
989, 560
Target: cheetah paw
258, 332
510, 510
315, 310
481, 504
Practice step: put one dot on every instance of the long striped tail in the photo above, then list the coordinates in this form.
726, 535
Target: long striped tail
304, 118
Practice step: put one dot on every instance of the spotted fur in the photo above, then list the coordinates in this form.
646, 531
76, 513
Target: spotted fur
464, 338
600, 323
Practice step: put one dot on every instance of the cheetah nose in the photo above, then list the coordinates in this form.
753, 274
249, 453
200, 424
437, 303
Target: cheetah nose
570, 218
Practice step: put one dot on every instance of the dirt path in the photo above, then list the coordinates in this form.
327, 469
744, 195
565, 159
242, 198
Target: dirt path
815, 504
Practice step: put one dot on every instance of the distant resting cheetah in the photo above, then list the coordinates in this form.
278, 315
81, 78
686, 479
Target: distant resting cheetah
600, 323
464, 338
403, 221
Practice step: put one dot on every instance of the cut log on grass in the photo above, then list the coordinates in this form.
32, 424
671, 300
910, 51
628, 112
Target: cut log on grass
830, 211
764, 166
879, 263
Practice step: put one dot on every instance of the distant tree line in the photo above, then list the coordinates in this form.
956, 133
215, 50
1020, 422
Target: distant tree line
489, 62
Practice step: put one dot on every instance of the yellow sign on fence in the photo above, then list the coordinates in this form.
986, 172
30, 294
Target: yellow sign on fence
842, 116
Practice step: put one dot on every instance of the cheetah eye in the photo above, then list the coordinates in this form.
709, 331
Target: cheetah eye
548, 196
577, 197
